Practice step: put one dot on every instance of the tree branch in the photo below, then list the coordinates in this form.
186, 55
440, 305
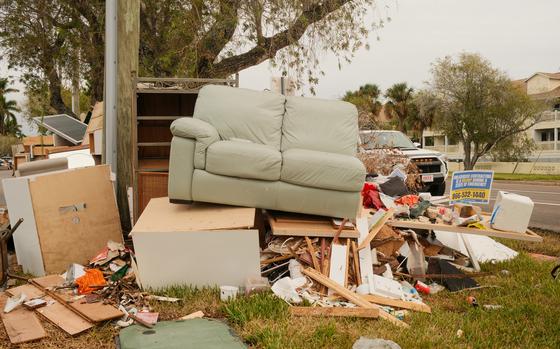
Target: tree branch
270, 45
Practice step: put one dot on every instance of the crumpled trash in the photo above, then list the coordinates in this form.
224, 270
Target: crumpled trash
285, 289
14, 302
93, 277
370, 196
377, 343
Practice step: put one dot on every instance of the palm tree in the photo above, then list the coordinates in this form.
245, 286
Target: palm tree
399, 103
426, 108
366, 99
8, 108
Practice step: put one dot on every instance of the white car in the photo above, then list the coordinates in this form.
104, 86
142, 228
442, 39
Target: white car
432, 164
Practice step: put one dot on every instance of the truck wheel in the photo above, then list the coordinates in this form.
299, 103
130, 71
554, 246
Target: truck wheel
438, 189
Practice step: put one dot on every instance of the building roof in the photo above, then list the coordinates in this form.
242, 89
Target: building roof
555, 76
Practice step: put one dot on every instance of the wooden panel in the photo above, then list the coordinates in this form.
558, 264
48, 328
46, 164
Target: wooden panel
154, 131
164, 216
397, 303
153, 164
58, 314
160, 152
151, 185
21, 325
159, 104
80, 233
316, 228
334, 311
188, 101
94, 312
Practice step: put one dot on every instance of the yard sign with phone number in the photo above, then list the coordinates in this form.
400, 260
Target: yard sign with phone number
471, 186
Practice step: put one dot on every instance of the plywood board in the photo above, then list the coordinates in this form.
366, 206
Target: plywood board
397, 303
30, 291
319, 228
334, 311
162, 216
528, 236
64, 318
74, 236
94, 312
21, 325
26, 240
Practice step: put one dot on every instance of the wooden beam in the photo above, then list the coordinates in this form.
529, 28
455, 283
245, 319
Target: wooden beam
128, 33
277, 259
356, 260
334, 311
397, 303
351, 296
311, 250
375, 229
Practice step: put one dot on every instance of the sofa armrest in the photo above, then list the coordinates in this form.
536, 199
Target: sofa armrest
201, 131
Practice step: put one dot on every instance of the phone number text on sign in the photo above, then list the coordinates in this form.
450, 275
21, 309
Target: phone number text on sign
471, 186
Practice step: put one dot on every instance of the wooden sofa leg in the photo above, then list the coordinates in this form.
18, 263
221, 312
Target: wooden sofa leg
179, 201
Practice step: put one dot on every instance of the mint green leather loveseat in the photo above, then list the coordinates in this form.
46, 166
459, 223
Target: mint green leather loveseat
266, 150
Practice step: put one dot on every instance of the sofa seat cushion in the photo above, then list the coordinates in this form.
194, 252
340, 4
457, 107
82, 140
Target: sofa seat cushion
244, 159
318, 169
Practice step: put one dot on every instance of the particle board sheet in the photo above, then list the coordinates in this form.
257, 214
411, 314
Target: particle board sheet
76, 214
315, 227
527, 236
21, 325
94, 312
29, 290
63, 318
160, 215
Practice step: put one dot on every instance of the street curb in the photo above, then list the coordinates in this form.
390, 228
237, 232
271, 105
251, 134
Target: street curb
549, 183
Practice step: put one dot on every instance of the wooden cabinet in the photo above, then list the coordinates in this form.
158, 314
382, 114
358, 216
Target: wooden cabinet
158, 103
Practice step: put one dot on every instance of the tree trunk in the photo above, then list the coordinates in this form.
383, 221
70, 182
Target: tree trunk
55, 87
467, 162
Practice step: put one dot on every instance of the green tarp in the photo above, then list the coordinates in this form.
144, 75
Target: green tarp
195, 333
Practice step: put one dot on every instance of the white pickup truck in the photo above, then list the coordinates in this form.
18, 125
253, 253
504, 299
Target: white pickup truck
432, 164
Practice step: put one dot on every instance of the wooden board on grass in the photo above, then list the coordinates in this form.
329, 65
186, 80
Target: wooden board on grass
64, 318
30, 291
334, 311
21, 325
93, 312
397, 303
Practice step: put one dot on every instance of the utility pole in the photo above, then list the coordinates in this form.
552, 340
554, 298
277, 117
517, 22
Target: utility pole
120, 73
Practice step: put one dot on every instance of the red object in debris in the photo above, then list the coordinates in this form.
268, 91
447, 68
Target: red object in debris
93, 277
409, 200
370, 196
472, 301
422, 287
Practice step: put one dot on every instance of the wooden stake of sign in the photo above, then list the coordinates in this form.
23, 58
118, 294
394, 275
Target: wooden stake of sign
351, 296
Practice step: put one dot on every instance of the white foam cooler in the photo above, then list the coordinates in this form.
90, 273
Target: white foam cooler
512, 212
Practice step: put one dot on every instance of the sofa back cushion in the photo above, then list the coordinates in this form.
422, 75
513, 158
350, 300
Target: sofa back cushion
322, 125
242, 114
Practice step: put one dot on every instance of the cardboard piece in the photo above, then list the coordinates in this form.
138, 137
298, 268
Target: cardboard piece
199, 245
21, 325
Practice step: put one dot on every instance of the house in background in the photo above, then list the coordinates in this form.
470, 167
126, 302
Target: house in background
546, 133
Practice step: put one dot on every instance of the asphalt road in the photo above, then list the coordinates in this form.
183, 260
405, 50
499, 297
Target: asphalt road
545, 196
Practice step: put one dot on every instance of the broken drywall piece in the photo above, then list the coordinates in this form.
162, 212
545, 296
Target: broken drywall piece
484, 248
285, 289
386, 287
14, 302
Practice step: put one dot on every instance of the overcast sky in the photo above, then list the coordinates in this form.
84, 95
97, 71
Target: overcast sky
518, 36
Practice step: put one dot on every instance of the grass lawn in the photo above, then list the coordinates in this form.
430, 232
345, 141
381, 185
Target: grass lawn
525, 177
529, 317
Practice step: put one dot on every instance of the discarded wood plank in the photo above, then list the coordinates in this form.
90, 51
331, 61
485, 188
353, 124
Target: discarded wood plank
527, 236
29, 290
64, 318
312, 252
347, 263
277, 259
195, 315
351, 296
397, 303
365, 255
21, 325
375, 229
335, 311
356, 261
322, 228
93, 312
